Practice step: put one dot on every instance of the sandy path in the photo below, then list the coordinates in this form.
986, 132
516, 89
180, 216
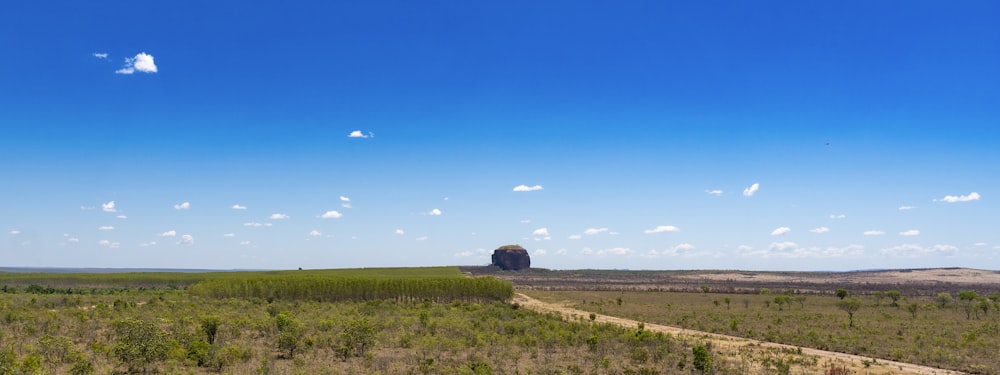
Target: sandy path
730, 344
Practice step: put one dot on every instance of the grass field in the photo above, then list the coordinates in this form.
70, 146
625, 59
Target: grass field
928, 333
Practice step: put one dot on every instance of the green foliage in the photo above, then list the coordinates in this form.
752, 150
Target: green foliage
850, 306
893, 295
912, 308
841, 293
944, 299
333, 289
357, 338
210, 326
702, 358
140, 343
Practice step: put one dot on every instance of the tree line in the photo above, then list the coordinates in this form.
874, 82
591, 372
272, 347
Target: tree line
336, 289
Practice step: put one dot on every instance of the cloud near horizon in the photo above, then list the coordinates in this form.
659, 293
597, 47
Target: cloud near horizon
662, 229
910, 233
331, 215
780, 231
522, 188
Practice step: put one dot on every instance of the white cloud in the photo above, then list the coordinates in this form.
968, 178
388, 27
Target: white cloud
574, 237
435, 212
238, 207
838, 216
421, 238
906, 208
744, 248
186, 240
980, 244
345, 205
520, 188
85, 208
539, 252
917, 250
661, 229
526, 221
593, 231
399, 232
108, 207
245, 243
315, 233
150, 243
344, 199
561, 252
279, 216
109, 244
466, 253
255, 224
169, 233
123, 217
331, 215
750, 191
873, 233
73, 239
716, 192
230, 235
615, 251
99, 55
142, 62
106, 227
183, 206
360, 134
14, 232
911, 232
973, 196
780, 231
820, 230
541, 234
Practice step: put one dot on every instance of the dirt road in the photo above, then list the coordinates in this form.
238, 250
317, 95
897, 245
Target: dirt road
730, 345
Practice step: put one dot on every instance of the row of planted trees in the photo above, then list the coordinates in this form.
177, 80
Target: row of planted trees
335, 289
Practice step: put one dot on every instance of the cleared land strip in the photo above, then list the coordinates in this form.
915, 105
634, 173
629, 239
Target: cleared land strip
730, 345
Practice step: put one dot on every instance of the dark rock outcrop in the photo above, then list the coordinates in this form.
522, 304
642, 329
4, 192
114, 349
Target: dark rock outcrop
511, 258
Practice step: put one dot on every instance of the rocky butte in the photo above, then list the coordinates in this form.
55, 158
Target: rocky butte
511, 258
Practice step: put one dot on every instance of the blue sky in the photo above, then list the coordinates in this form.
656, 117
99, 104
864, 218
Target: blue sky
222, 134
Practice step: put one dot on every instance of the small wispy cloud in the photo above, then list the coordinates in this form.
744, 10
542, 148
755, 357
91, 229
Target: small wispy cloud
106, 227
238, 207
14, 232
593, 231
123, 217
910, 233
279, 216
361, 134
100, 55
345, 202
781, 231
873, 233
245, 243
539, 252
109, 207
315, 233
662, 229
421, 238
186, 240
344, 199
574, 237
716, 192
399, 232
109, 244
142, 62
913, 250
331, 215
148, 244
183, 206
435, 212
838, 216
820, 230
906, 208
169, 233
521, 188
973, 196
255, 224
751, 190
615, 251
228, 235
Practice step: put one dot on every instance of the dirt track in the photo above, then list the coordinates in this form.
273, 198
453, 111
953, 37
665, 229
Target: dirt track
730, 344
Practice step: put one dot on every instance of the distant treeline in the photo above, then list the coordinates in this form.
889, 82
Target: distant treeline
335, 289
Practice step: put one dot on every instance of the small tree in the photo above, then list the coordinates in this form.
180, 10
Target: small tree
912, 308
210, 325
702, 358
781, 300
357, 338
944, 299
841, 293
967, 297
894, 296
727, 302
850, 306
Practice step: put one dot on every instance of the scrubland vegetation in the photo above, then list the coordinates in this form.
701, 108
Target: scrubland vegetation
960, 331
291, 323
